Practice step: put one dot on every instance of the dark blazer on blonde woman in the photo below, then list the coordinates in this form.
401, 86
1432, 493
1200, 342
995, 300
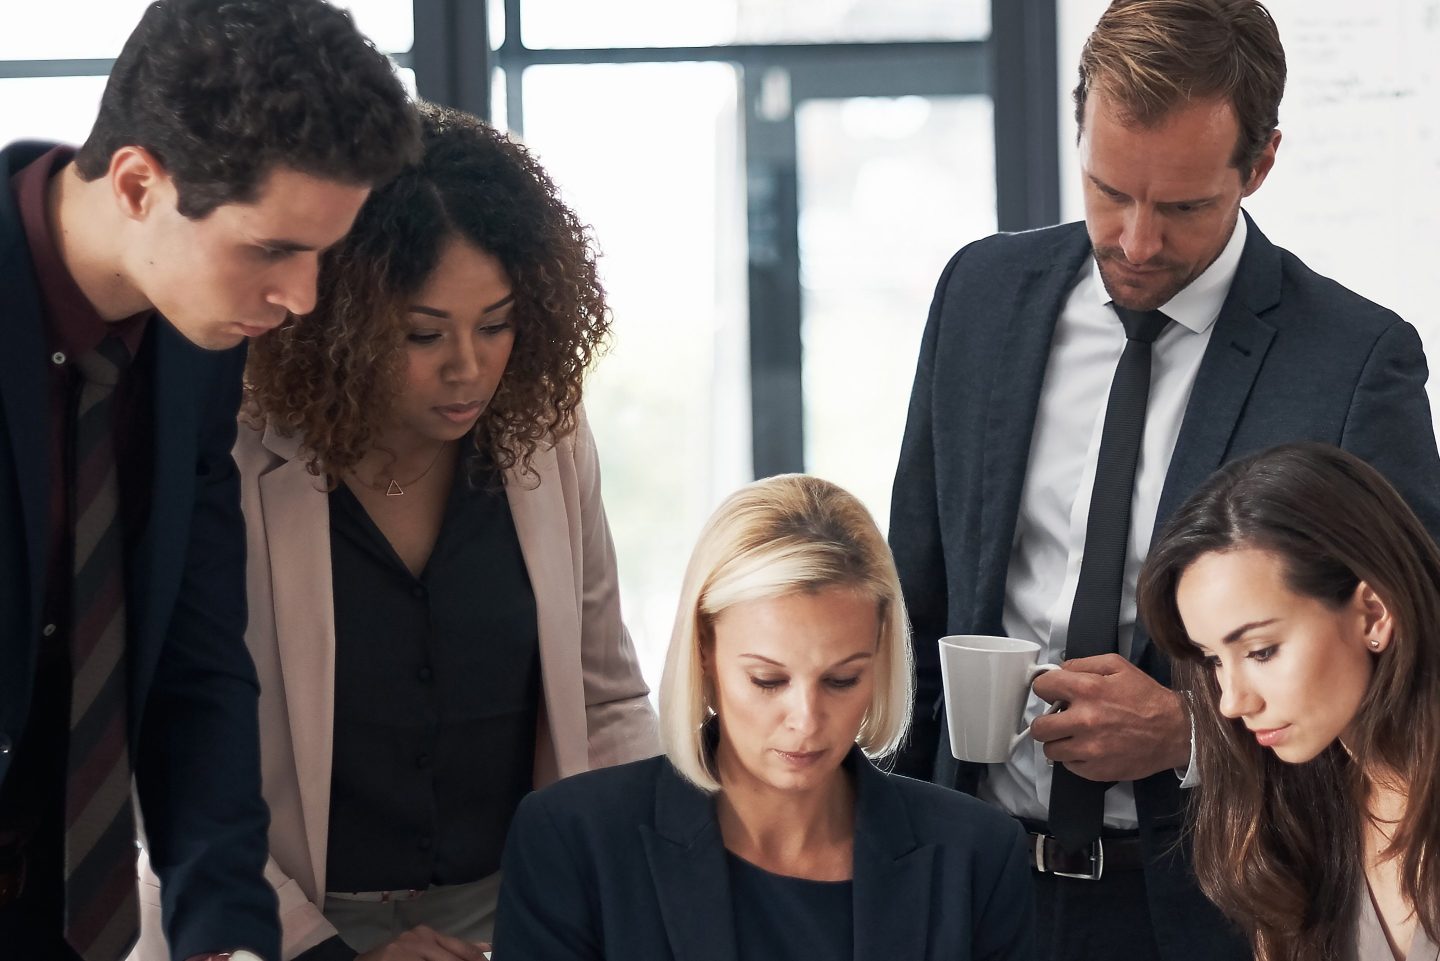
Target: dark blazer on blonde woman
628, 863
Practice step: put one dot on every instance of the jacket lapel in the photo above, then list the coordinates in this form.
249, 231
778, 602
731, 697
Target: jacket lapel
539, 511
687, 864
1227, 373
894, 874
296, 516
23, 388
1018, 377
159, 559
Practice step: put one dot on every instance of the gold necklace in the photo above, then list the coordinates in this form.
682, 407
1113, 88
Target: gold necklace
395, 490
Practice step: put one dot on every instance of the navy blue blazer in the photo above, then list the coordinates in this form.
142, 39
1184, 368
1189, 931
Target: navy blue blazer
1293, 356
194, 734
627, 862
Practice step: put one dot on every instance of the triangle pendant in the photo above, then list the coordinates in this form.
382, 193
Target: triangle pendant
394, 490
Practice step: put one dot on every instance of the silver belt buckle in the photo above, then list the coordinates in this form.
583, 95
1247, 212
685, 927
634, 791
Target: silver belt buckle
1097, 860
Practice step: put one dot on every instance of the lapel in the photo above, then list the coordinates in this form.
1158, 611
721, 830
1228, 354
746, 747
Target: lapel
1227, 373
542, 516
23, 388
894, 873
1018, 377
687, 864
296, 517
159, 559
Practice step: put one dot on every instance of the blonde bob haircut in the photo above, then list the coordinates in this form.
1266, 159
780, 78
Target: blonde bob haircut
782, 535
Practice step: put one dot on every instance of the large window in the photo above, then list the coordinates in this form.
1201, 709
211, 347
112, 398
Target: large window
775, 188
670, 402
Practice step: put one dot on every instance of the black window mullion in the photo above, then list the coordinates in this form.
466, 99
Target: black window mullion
451, 54
1025, 77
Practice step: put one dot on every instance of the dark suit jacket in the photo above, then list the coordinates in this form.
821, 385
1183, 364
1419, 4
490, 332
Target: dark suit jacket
194, 737
1293, 356
627, 862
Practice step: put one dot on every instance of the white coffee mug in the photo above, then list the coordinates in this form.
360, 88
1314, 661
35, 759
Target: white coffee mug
987, 682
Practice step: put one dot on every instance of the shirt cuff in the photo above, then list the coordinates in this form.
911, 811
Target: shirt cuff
1190, 777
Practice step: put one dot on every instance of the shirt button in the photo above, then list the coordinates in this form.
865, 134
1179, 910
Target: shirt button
48, 630
424, 844
418, 590
423, 761
425, 674
57, 358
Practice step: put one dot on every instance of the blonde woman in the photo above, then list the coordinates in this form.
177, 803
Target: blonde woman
765, 831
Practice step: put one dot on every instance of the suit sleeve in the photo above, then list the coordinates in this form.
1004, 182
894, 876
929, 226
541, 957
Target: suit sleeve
198, 769
1005, 921
916, 544
1389, 424
618, 715
547, 909
307, 935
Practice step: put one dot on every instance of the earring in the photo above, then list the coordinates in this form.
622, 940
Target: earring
1374, 644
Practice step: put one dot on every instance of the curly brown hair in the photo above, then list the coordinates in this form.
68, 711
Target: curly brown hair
332, 376
222, 93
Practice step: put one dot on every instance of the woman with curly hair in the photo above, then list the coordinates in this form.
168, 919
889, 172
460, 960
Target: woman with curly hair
434, 606
1299, 597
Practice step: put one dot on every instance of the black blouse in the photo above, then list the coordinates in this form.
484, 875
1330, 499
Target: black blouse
779, 918
437, 684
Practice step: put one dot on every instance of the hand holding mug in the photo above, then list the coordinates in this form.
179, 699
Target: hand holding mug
1119, 724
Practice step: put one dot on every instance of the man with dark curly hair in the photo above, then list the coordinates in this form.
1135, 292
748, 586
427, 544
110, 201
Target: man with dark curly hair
235, 142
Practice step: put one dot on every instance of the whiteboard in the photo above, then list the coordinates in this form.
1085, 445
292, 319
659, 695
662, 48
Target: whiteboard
1356, 188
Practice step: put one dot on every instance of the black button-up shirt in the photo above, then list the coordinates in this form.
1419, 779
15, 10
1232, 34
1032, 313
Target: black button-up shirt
437, 685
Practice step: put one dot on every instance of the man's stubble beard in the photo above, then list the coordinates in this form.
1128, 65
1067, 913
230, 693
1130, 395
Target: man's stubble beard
1121, 296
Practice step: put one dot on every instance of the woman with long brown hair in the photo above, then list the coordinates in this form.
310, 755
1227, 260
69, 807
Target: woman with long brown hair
434, 605
1299, 597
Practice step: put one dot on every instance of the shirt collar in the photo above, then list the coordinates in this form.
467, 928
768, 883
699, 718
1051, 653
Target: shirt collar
1197, 306
73, 323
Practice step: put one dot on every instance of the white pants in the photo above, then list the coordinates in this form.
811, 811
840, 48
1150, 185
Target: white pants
372, 918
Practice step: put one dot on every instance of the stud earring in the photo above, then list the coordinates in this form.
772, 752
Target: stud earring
1374, 644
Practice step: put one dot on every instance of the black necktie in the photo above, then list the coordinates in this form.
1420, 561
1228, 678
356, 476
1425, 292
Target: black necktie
101, 908
1077, 805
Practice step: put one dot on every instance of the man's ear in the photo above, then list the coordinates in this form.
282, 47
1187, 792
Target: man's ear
139, 182
1263, 165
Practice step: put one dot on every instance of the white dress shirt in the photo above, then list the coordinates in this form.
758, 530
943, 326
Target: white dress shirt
1060, 475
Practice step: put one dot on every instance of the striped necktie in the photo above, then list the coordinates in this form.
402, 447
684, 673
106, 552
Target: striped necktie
101, 910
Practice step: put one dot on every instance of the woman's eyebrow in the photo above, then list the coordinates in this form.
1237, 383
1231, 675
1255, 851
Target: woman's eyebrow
502, 302
1239, 632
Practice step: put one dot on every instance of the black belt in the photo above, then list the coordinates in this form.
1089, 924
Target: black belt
1119, 853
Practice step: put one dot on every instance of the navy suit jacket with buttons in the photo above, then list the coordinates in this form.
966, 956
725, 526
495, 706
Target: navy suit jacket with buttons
627, 862
194, 736
1293, 356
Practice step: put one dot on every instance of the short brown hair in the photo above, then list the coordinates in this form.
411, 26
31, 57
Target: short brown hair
223, 93
332, 376
1151, 56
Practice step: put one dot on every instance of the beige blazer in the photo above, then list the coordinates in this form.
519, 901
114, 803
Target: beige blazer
594, 708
